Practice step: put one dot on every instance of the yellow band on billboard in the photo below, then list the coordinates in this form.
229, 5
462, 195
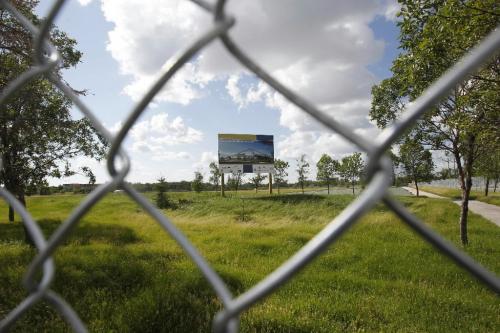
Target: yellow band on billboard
242, 137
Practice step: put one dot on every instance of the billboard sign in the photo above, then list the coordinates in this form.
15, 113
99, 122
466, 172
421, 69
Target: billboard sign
231, 168
246, 149
249, 153
262, 168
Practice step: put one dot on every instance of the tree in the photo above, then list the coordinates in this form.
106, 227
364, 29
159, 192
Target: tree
394, 165
450, 171
162, 201
38, 137
488, 165
88, 172
302, 170
434, 35
215, 174
416, 161
446, 173
280, 175
351, 168
257, 180
327, 167
234, 180
197, 183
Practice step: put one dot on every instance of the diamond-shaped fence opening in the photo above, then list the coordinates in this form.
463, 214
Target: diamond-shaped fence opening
227, 320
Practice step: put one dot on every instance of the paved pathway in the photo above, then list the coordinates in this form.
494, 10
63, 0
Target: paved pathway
396, 191
422, 193
489, 212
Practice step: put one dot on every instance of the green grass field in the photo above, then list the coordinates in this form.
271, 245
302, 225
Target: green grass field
122, 273
456, 194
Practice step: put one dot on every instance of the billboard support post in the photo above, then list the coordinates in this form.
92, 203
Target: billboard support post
222, 184
246, 153
270, 183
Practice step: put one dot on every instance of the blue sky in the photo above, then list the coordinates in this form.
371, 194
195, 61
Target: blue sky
331, 53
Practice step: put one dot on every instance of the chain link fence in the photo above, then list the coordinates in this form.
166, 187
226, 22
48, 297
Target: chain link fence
227, 319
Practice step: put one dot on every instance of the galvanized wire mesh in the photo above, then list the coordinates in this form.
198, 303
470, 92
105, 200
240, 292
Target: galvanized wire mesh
227, 320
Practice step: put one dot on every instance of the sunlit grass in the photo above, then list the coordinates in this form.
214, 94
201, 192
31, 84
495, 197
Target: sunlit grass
122, 273
456, 194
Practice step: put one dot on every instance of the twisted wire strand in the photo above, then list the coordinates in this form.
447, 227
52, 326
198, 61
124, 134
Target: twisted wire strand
46, 59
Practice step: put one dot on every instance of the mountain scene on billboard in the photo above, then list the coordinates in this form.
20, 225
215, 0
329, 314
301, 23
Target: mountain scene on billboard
248, 156
246, 151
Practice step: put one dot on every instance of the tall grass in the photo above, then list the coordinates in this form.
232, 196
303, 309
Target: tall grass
122, 273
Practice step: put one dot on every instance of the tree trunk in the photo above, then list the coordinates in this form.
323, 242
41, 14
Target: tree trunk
465, 173
7, 176
464, 208
302, 187
27, 235
353, 187
495, 187
464, 213
9, 187
486, 187
416, 186
328, 184
11, 214
393, 174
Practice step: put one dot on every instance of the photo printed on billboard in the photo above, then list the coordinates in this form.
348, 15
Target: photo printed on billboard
246, 149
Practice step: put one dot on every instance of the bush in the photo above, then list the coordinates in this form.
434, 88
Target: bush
161, 199
197, 184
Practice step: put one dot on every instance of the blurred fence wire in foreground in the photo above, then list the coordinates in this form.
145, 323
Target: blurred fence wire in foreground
227, 320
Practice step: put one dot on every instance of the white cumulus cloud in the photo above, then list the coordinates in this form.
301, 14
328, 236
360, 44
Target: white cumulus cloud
146, 37
208, 156
172, 156
84, 2
159, 135
159, 130
320, 50
204, 161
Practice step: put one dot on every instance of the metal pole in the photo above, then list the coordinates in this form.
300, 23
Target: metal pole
270, 183
222, 185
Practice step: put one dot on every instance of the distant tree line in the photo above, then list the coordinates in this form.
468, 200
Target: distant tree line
413, 164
